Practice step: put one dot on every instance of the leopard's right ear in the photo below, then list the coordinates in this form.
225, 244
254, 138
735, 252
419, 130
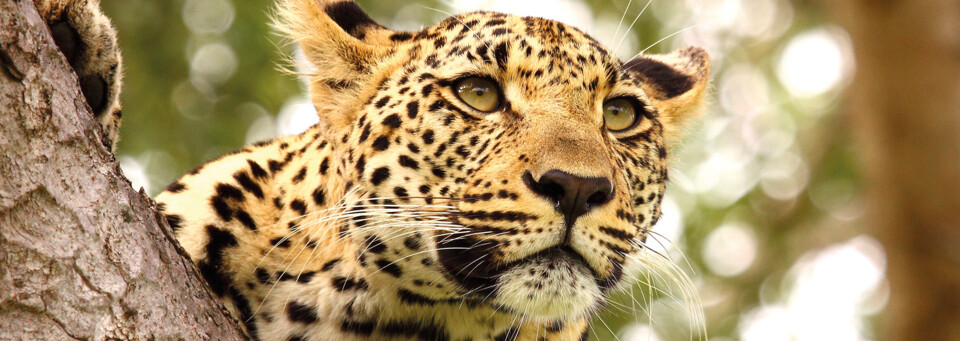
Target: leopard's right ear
343, 44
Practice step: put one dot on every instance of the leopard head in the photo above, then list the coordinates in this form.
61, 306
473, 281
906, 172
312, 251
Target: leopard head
511, 161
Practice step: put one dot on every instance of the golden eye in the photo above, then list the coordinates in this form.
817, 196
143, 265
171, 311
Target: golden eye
619, 114
482, 94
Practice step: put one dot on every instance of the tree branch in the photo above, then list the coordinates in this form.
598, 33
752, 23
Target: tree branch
82, 255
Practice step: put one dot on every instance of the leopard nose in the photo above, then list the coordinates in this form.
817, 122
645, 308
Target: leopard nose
574, 195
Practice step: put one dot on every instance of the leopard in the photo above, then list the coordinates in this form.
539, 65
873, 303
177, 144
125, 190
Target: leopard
489, 177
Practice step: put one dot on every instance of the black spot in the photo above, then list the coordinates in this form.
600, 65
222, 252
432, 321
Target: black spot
500, 53
381, 143
229, 192
246, 315
222, 208
248, 184
436, 106
412, 243
440, 173
392, 121
380, 175
330, 264
174, 221
263, 276
300, 175
413, 148
555, 327
408, 162
305, 277
324, 165
358, 327
427, 89
416, 330
299, 206
280, 242
412, 109
212, 268
275, 166
300, 313
176, 187
428, 137
374, 244
409, 297
258, 172
365, 133
389, 267
400, 192
382, 102
318, 197
246, 219
361, 165
343, 283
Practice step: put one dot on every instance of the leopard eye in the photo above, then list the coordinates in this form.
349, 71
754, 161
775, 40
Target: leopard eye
479, 93
619, 114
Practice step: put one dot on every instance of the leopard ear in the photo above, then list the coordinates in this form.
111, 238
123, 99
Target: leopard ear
343, 45
676, 82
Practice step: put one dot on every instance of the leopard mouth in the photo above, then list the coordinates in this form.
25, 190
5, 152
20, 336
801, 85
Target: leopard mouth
467, 261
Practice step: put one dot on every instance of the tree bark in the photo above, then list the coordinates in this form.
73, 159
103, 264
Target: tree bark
904, 111
82, 255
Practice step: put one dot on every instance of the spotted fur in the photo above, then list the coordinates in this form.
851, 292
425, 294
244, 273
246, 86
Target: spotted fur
407, 215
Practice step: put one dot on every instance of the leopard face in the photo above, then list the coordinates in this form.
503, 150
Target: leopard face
533, 201
489, 177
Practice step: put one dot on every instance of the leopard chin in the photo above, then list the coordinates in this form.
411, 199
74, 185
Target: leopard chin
551, 285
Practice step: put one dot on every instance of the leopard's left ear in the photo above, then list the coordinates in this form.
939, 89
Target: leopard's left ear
676, 82
343, 45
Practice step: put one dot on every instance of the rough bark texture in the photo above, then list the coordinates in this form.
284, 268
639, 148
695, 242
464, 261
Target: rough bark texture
905, 114
82, 255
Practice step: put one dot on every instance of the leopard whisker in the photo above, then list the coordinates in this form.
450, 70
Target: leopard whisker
667, 37
627, 33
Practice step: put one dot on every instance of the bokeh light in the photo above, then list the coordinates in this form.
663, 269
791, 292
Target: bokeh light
815, 62
730, 249
843, 277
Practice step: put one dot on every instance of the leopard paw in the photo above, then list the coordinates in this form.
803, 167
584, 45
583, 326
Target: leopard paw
89, 42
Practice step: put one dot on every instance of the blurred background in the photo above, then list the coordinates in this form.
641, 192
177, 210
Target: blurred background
769, 209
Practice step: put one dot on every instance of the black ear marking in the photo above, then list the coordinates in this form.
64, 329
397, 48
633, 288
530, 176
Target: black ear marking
350, 17
672, 82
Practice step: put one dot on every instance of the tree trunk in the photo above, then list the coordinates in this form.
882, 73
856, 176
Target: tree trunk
904, 111
82, 255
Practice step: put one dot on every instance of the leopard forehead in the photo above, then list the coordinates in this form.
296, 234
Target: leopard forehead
535, 55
